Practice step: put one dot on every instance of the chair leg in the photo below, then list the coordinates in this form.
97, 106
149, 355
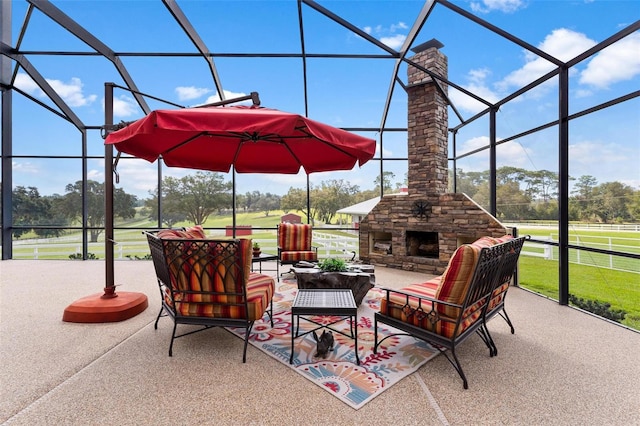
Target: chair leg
457, 366
155, 326
271, 312
504, 315
483, 332
375, 335
247, 332
173, 336
493, 349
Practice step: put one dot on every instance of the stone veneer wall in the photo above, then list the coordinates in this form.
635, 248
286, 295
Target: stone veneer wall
455, 217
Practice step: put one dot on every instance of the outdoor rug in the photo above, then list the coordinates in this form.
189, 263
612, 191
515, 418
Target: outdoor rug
355, 385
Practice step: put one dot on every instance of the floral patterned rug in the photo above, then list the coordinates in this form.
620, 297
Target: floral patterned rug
339, 374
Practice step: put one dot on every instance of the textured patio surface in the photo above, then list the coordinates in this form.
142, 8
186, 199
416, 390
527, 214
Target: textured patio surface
562, 367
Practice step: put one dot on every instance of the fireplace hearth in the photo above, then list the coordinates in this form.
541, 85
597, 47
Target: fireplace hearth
421, 229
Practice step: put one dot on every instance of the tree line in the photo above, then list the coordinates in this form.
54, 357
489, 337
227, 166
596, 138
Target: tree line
521, 195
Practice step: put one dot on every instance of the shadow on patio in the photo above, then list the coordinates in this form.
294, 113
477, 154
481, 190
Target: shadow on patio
561, 367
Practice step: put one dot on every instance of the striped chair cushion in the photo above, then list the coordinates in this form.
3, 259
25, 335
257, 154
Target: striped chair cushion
296, 256
409, 310
294, 236
195, 232
452, 287
260, 289
171, 234
209, 281
458, 274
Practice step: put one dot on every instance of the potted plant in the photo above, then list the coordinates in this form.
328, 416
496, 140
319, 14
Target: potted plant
256, 249
332, 264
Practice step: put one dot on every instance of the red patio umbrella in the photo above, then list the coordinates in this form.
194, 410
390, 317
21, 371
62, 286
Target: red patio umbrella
252, 139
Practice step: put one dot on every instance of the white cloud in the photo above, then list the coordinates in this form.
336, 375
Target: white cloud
399, 25
477, 85
506, 6
227, 95
610, 160
189, 93
562, 44
97, 175
70, 92
511, 153
25, 167
618, 62
124, 106
137, 176
388, 36
26, 84
395, 41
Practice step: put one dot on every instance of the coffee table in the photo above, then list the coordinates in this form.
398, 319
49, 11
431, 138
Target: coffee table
360, 280
324, 302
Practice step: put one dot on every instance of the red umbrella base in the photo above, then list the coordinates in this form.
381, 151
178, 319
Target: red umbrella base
96, 308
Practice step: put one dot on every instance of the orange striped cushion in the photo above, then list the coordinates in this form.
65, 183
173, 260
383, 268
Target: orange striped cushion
294, 236
458, 274
171, 233
209, 272
457, 278
296, 256
195, 232
260, 289
418, 314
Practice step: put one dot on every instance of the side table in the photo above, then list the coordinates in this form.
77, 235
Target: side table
265, 257
330, 302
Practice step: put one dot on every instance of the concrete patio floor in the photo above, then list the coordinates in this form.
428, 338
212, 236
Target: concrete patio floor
562, 367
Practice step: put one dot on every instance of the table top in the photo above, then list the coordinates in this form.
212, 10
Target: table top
318, 300
352, 269
264, 256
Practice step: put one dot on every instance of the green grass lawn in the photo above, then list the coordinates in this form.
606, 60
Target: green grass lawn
620, 289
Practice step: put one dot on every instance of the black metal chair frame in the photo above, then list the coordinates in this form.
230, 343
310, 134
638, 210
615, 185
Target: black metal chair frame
490, 268
507, 272
173, 255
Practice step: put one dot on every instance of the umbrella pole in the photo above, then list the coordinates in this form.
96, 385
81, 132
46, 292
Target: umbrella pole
109, 306
233, 199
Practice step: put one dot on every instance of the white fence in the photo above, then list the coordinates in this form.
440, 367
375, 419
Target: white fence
55, 248
339, 245
583, 257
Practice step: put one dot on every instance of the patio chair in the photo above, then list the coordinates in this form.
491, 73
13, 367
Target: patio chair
294, 243
208, 283
448, 309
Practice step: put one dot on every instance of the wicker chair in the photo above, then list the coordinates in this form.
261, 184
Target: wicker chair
208, 282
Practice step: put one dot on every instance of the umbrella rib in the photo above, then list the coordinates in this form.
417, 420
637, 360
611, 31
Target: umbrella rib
181, 144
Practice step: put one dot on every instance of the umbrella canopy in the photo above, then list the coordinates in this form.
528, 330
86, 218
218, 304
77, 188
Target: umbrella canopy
252, 139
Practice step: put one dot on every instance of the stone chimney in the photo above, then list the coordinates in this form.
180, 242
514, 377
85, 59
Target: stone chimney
421, 229
427, 123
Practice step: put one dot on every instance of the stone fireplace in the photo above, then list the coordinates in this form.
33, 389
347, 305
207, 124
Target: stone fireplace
421, 229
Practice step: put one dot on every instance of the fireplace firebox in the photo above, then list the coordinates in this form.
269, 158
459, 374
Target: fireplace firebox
423, 244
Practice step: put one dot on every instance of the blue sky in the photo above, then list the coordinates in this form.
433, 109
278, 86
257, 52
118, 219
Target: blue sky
343, 93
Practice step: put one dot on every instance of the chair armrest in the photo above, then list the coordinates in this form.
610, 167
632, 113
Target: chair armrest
417, 296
